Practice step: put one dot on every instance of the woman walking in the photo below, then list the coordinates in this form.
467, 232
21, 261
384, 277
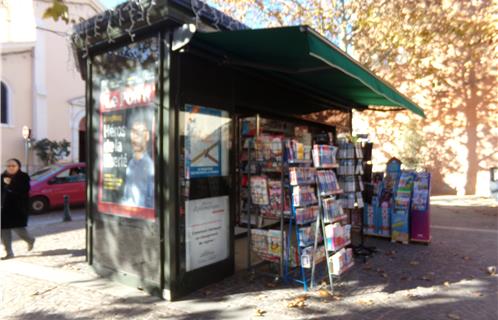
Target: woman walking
15, 199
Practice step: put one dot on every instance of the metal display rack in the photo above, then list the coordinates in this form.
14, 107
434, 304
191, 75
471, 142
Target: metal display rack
321, 222
357, 176
260, 222
302, 277
312, 270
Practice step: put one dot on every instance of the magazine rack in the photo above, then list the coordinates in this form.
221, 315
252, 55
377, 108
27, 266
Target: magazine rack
265, 201
351, 179
337, 236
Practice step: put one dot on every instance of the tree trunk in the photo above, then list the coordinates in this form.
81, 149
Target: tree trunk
471, 130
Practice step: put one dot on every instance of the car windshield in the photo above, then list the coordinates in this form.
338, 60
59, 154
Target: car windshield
45, 172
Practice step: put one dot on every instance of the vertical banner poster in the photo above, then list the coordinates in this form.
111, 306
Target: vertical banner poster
207, 231
204, 137
420, 211
126, 142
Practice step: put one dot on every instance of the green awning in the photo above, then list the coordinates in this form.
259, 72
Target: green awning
302, 56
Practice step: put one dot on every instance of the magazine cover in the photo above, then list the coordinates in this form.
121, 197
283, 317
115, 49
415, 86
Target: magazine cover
274, 209
259, 190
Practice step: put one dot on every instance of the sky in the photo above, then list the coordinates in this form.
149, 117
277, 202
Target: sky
111, 3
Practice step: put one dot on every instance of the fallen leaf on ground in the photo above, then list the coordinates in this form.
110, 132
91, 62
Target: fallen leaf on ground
414, 263
366, 302
298, 302
324, 293
302, 297
260, 312
295, 304
453, 316
491, 270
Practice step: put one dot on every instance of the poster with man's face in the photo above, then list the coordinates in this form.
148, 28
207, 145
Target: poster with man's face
126, 182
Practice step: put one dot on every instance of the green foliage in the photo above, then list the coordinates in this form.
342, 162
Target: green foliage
413, 142
57, 10
51, 151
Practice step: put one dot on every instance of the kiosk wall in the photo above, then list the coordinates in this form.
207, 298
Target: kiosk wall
162, 135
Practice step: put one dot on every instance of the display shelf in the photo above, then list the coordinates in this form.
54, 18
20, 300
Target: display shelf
304, 161
302, 223
328, 166
254, 219
331, 193
271, 170
303, 184
344, 270
337, 219
344, 245
265, 223
306, 205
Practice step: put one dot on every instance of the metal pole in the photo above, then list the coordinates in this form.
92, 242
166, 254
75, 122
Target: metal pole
67, 212
249, 205
26, 156
282, 209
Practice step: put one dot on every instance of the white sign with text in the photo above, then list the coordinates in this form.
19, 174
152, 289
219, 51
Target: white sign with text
207, 231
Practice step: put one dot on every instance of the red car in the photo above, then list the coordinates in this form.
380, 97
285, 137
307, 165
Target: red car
51, 184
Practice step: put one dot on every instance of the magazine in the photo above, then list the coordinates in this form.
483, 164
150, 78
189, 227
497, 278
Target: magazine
274, 209
259, 190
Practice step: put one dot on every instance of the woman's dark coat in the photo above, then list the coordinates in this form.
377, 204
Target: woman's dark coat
15, 201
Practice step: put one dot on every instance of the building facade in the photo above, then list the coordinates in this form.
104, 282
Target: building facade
40, 86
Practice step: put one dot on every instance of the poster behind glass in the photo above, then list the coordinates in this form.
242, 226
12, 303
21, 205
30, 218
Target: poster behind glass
126, 108
206, 134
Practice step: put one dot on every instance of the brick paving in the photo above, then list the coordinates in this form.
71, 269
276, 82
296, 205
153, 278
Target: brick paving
445, 280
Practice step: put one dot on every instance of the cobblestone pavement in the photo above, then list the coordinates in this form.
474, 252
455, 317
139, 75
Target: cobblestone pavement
445, 280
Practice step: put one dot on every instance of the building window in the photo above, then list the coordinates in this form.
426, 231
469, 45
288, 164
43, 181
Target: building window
4, 96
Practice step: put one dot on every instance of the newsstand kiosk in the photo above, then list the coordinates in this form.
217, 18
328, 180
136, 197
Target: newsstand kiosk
166, 82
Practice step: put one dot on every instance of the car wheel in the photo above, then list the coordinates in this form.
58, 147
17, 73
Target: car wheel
38, 205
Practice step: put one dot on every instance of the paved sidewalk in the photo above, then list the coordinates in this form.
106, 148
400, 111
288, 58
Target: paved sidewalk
445, 280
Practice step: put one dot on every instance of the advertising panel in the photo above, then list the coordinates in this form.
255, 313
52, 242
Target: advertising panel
126, 142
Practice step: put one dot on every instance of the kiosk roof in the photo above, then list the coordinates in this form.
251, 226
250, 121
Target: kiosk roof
300, 55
